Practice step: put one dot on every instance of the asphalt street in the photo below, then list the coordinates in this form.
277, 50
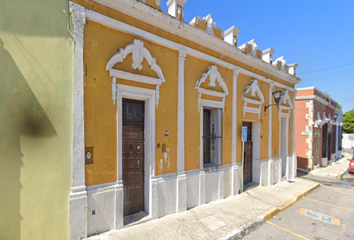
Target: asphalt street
326, 213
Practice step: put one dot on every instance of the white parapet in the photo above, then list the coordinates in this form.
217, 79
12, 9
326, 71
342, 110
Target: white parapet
231, 35
268, 55
176, 8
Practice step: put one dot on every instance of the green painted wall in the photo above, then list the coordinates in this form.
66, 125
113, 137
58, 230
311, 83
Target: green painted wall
36, 59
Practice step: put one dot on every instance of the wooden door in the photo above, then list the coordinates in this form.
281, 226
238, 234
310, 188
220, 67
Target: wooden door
133, 156
248, 154
324, 141
329, 141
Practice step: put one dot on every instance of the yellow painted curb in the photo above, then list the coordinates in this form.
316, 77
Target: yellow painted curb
275, 210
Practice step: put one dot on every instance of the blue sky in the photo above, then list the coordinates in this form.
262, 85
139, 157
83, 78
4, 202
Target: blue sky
315, 34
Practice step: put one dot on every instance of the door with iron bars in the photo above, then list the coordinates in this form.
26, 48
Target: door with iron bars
133, 156
248, 154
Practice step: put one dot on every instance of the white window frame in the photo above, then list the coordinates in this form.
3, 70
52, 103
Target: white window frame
216, 156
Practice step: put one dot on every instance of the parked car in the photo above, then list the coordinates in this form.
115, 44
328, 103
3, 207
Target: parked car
351, 164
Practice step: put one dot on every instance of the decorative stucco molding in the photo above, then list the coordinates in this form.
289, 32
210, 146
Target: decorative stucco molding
284, 101
78, 194
78, 17
214, 76
210, 24
173, 25
182, 53
254, 47
139, 53
281, 63
255, 90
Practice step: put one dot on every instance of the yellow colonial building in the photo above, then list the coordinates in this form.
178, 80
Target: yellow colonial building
158, 111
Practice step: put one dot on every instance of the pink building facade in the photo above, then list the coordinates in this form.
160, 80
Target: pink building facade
318, 128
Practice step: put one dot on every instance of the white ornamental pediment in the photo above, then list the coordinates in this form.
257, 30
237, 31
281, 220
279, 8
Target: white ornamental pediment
285, 103
285, 100
257, 98
214, 77
139, 54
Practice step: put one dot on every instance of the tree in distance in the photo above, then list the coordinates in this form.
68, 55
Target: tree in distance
348, 122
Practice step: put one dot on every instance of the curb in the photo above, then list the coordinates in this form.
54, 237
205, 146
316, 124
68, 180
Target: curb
264, 217
245, 229
275, 210
340, 176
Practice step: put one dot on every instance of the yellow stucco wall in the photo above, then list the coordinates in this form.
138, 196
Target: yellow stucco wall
101, 44
35, 120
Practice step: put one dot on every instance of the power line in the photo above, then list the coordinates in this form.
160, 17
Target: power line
328, 75
323, 69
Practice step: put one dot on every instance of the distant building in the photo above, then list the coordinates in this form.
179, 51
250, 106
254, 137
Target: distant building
318, 128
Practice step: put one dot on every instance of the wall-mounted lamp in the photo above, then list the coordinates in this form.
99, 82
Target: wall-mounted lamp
276, 95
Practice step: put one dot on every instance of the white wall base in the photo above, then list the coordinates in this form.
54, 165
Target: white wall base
260, 172
78, 214
169, 194
105, 207
154, 198
267, 172
181, 194
100, 212
119, 205
277, 170
324, 162
235, 183
291, 167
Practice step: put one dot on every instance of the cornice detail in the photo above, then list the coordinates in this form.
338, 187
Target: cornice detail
139, 53
173, 25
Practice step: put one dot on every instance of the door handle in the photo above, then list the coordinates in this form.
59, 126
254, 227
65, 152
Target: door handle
131, 147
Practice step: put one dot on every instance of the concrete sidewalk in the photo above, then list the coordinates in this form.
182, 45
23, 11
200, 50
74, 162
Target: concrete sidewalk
231, 218
335, 169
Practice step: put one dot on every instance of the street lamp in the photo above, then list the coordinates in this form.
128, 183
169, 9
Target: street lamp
276, 95
335, 117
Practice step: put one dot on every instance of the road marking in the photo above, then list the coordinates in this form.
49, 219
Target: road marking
320, 216
287, 230
314, 200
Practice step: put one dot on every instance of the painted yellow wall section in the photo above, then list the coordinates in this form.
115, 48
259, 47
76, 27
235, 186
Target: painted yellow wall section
194, 68
35, 120
101, 44
169, 65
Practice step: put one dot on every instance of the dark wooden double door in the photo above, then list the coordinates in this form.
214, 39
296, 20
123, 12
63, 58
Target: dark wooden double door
133, 156
248, 154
